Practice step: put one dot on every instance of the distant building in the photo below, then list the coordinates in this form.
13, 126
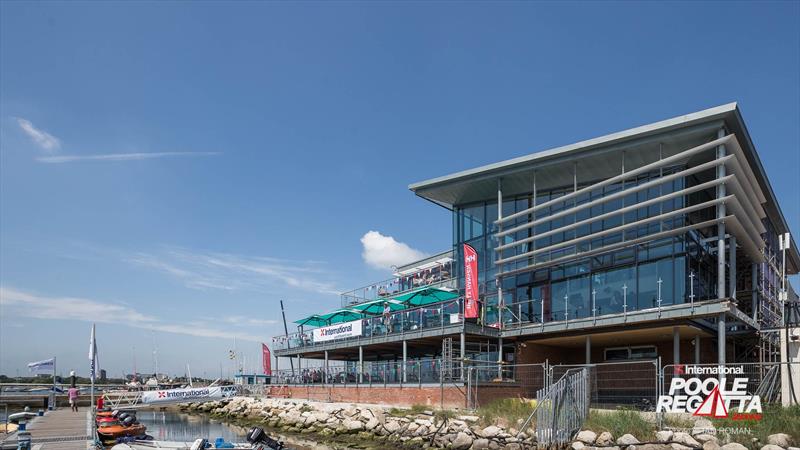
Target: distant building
102, 374
243, 378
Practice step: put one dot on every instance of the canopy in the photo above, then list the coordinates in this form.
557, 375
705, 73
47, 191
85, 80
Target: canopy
376, 306
426, 296
341, 315
312, 320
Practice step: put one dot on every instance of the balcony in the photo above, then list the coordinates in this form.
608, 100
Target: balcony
438, 273
398, 323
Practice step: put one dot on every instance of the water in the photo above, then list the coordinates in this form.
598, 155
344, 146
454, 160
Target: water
177, 426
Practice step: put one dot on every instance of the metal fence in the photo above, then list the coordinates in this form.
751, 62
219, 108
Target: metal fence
613, 384
490, 382
425, 371
561, 408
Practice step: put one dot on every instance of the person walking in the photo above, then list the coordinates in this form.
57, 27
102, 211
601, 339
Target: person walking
72, 394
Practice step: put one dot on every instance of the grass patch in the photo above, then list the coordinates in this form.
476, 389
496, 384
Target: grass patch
414, 409
775, 419
510, 410
619, 422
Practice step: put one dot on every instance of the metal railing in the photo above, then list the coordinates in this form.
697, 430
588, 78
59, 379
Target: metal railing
372, 373
561, 408
438, 276
432, 316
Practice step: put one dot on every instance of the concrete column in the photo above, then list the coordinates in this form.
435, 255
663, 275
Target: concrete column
721, 226
588, 349
697, 349
360, 364
754, 287
462, 353
676, 345
325, 374
721, 344
732, 266
405, 361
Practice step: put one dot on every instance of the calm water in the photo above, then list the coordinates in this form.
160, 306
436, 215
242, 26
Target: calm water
176, 426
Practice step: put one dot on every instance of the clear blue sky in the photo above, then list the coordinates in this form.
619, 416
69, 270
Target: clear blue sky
175, 166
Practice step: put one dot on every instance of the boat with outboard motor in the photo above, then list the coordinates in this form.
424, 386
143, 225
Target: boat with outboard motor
257, 439
118, 424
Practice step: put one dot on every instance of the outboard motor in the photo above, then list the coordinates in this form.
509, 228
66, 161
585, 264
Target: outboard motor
122, 416
258, 439
128, 421
200, 444
115, 413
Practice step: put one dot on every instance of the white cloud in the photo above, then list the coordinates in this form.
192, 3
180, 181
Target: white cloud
43, 139
119, 156
26, 304
384, 252
209, 270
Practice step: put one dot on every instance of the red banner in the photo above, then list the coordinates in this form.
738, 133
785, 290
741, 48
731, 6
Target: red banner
470, 282
266, 359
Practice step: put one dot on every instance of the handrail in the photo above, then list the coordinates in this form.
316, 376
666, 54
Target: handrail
398, 286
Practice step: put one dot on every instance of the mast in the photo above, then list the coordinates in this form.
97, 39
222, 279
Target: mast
286, 331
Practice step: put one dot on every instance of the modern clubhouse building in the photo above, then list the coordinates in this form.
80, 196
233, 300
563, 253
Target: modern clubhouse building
662, 243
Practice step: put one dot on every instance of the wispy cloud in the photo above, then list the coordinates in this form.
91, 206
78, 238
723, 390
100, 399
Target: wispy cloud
26, 304
384, 252
43, 139
249, 321
230, 272
120, 156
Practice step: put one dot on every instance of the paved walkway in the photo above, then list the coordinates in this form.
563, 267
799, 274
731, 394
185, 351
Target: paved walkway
61, 429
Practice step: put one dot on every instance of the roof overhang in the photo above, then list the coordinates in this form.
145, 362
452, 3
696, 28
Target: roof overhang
480, 184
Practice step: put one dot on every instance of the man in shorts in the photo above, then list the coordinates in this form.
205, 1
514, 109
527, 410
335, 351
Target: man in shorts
72, 394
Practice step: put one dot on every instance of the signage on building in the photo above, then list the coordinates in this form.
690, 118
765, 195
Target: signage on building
470, 282
182, 395
342, 330
266, 359
707, 397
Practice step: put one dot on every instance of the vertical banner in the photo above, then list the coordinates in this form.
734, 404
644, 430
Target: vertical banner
266, 360
470, 282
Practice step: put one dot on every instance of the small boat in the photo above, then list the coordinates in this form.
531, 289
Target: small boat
177, 445
121, 426
257, 439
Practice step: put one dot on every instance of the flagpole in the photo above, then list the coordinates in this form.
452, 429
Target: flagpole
93, 355
54, 383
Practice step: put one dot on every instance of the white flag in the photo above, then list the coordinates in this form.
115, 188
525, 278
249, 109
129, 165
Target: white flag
93, 355
45, 366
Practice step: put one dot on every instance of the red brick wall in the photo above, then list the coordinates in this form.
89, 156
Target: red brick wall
450, 397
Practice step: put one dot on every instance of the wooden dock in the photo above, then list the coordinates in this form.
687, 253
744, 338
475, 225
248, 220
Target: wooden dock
61, 429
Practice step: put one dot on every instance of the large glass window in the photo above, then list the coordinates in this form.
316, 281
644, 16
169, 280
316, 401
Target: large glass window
612, 288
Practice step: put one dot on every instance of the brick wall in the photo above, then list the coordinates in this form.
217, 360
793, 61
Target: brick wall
433, 396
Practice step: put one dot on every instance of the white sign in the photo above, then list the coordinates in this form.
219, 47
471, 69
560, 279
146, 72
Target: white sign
182, 395
342, 330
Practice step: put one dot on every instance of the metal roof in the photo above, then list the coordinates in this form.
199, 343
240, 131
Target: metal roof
478, 183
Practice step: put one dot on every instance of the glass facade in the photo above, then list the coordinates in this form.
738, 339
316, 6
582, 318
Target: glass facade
646, 275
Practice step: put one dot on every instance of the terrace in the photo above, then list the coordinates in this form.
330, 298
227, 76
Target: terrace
412, 312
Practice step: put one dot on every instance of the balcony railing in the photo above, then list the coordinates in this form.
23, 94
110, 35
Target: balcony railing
438, 276
427, 317
373, 373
